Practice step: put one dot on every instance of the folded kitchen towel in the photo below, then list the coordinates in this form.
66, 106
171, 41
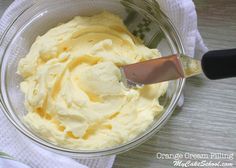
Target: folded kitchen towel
181, 12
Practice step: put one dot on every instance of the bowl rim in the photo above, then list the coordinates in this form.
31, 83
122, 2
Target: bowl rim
141, 138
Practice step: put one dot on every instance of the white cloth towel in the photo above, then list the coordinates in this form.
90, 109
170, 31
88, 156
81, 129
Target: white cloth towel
181, 12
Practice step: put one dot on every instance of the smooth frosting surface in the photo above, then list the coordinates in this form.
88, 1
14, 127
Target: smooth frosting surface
72, 87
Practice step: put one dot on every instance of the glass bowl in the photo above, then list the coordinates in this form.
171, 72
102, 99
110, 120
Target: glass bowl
142, 17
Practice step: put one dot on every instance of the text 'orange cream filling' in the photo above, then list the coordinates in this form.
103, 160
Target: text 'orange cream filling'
72, 87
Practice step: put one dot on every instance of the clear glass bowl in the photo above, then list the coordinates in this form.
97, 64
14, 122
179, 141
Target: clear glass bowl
143, 18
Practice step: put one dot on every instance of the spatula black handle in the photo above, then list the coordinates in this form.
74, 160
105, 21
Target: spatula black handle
219, 64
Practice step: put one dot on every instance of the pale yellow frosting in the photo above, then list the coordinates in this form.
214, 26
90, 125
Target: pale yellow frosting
72, 87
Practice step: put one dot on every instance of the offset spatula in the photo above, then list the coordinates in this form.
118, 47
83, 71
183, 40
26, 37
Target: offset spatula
214, 64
